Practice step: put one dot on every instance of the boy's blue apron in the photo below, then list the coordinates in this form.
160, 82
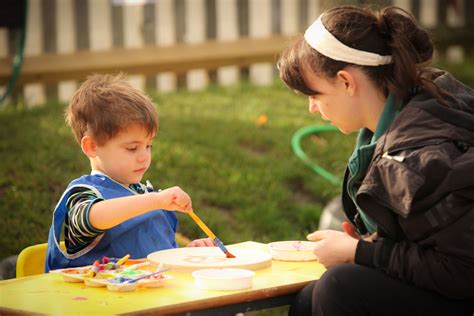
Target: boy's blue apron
138, 236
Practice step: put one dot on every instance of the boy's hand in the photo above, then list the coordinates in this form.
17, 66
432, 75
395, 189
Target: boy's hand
203, 242
175, 199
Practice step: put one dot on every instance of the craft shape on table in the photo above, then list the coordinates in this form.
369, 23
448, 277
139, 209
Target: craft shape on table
293, 250
194, 258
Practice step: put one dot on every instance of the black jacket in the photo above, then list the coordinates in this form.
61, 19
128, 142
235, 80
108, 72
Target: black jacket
419, 188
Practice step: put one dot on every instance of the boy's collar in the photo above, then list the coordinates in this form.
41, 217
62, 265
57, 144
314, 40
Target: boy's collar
100, 173
97, 172
148, 187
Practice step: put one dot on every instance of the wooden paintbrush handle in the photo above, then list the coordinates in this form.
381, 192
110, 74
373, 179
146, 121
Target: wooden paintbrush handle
201, 224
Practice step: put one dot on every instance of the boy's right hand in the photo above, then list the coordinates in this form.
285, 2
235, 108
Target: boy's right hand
175, 199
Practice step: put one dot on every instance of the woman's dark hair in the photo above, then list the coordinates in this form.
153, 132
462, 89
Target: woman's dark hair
389, 31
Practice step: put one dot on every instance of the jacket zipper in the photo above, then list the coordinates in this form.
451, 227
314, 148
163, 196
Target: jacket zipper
387, 154
437, 142
396, 158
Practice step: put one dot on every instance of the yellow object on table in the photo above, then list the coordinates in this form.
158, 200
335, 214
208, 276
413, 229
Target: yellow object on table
49, 294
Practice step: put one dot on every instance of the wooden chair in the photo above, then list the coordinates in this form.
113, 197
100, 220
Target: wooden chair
31, 260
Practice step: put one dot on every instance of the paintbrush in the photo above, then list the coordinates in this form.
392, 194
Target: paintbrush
210, 234
146, 276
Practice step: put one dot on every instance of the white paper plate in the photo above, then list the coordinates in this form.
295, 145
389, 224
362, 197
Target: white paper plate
196, 258
91, 282
292, 250
121, 287
154, 282
223, 279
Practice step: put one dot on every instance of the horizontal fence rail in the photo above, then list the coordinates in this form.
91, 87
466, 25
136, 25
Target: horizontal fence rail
179, 59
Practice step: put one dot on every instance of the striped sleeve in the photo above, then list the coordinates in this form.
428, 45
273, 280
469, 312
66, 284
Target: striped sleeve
78, 232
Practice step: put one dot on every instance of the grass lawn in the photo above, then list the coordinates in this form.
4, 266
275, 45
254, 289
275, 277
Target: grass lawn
244, 180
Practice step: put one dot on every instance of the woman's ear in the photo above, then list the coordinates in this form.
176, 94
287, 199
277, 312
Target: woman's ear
347, 80
89, 146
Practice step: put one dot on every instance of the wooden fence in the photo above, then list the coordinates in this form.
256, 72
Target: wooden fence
165, 44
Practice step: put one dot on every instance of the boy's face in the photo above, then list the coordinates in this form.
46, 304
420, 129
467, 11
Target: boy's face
125, 157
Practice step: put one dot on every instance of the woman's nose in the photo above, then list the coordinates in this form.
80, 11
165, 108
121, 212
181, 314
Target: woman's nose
313, 107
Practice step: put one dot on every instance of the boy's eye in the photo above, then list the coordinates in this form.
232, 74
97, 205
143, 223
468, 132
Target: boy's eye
149, 146
132, 148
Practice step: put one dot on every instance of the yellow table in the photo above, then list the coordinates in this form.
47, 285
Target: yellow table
49, 294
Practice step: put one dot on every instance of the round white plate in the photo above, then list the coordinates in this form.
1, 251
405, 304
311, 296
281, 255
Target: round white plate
194, 258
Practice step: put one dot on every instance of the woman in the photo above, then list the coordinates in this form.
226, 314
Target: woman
409, 187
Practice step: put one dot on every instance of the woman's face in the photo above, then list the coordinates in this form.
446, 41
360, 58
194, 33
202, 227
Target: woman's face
333, 101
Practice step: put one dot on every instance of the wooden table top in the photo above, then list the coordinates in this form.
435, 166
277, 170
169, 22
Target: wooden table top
49, 294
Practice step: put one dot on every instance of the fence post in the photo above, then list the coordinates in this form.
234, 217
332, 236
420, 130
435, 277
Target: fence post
195, 32
314, 10
100, 25
289, 17
404, 4
165, 36
3, 53
133, 36
66, 43
227, 29
428, 13
260, 26
34, 93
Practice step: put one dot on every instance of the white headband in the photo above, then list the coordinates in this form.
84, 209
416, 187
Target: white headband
319, 38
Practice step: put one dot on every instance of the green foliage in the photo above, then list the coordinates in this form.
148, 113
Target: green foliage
464, 71
244, 180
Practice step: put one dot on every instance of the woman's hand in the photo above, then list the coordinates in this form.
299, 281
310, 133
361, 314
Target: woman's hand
175, 199
203, 242
333, 247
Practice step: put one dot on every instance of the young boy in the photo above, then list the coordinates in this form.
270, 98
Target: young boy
110, 212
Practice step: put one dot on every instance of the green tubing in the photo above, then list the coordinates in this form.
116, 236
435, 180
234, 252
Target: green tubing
296, 146
17, 60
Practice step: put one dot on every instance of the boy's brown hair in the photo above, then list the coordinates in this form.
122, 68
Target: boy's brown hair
104, 105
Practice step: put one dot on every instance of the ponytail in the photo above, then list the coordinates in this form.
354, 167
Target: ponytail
412, 51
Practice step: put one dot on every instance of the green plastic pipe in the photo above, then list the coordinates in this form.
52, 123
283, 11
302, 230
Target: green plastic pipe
296, 146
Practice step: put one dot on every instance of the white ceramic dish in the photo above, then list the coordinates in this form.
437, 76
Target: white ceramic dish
189, 259
292, 250
223, 279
